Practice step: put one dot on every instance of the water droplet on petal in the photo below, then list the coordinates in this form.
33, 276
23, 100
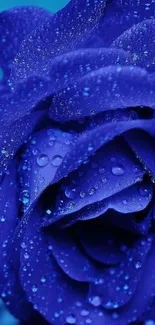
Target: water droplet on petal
35, 152
126, 287
143, 191
3, 218
91, 191
138, 265
70, 193
149, 322
101, 170
82, 194
84, 312
70, 319
89, 321
42, 160
52, 137
26, 255
104, 180
51, 143
57, 160
95, 301
34, 288
25, 197
43, 279
118, 170
90, 147
48, 211
23, 245
71, 205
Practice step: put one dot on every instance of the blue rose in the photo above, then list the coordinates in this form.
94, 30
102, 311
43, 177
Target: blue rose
77, 162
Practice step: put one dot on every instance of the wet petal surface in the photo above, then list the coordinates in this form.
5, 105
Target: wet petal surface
112, 169
124, 278
104, 89
54, 37
141, 48
77, 162
10, 287
15, 25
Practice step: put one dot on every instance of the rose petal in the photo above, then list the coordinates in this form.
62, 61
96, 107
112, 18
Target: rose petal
47, 281
143, 296
120, 16
101, 243
8, 185
10, 288
23, 100
66, 69
45, 153
14, 135
46, 160
144, 147
70, 258
15, 25
118, 284
71, 298
133, 199
104, 89
134, 222
149, 314
139, 41
109, 171
54, 37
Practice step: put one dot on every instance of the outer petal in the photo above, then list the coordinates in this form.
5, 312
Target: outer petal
139, 41
45, 153
144, 293
15, 134
10, 288
104, 89
118, 284
120, 16
15, 25
47, 288
57, 36
66, 69
23, 100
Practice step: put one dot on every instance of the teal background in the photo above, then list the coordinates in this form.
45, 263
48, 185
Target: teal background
53, 6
